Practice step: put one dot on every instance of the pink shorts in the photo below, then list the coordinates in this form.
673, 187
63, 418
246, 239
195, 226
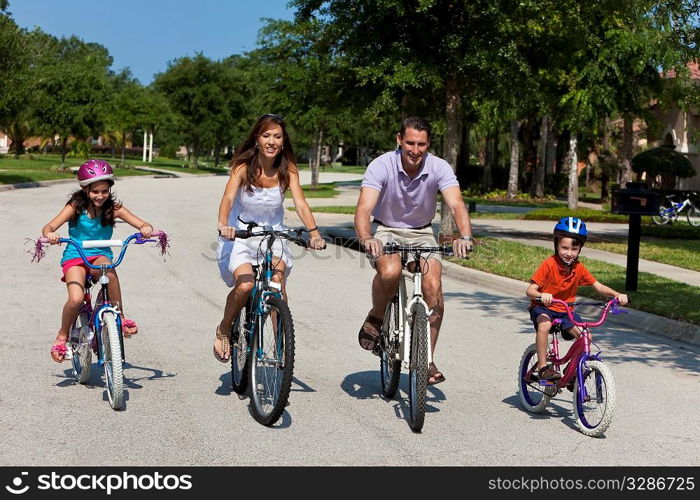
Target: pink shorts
78, 262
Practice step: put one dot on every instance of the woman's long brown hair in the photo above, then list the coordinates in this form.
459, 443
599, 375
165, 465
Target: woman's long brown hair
81, 202
247, 154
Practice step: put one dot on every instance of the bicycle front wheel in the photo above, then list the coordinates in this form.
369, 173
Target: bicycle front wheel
418, 374
533, 396
272, 362
81, 349
594, 407
389, 364
664, 215
112, 360
239, 353
693, 215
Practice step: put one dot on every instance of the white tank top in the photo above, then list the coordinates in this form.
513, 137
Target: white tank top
261, 205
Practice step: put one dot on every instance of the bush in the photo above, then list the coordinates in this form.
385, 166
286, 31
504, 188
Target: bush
680, 231
168, 152
587, 214
556, 184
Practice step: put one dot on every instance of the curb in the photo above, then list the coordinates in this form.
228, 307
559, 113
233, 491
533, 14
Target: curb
636, 321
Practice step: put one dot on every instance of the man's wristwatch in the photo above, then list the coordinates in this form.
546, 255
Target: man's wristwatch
467, 238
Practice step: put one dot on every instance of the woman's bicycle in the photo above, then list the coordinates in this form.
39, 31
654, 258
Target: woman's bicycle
586, 375
98, 328
262, 335
405, 334
670, 210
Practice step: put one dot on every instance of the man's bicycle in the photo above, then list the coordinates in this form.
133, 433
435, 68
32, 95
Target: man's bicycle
585, 375
671, 209
262, 335
405, 333
98, 327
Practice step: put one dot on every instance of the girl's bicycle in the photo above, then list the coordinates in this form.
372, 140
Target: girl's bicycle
98, 328
405, 334
670, 210
262, 335
586, 375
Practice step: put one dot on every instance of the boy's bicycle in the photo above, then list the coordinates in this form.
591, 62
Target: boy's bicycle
98, 329
405, 334
586, 375
670, 210
262, 335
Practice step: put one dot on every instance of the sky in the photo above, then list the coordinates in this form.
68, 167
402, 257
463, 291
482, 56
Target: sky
145, 35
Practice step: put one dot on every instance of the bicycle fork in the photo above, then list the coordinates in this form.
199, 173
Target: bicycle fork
406, 319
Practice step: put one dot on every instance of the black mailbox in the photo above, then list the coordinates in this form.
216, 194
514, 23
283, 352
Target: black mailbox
636, 199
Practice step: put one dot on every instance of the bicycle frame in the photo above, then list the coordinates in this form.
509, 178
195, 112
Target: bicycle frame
580, 351
677, 207
405, 314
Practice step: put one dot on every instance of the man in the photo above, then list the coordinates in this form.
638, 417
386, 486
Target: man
400, 190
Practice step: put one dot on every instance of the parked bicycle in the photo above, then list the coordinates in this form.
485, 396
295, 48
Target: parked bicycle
585, 375
671, 209
405, 333
98, 327
262, 335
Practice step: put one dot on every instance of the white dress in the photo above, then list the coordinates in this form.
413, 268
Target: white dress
263, 206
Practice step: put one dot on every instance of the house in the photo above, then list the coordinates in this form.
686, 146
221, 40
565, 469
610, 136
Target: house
680, 129
4, 144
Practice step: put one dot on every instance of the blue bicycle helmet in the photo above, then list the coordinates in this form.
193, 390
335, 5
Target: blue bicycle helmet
571, 227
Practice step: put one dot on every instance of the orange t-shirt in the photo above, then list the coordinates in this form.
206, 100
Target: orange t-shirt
552, 277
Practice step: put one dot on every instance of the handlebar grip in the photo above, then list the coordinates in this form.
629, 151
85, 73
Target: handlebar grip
243, 233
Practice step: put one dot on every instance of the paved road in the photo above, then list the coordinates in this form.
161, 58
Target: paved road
180, 410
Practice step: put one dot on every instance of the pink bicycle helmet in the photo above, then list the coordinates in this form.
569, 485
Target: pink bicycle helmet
93, 171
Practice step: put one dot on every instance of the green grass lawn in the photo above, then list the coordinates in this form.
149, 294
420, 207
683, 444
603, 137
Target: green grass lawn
325, 190
679, 253
334, 209
344, 169
656, 295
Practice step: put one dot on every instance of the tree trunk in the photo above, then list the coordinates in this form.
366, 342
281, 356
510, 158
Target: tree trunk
573, 174
464, 153
451, 146
627, 149
487, 177
64, 150
549, 150
514, 160
316, 166
123, 162
538, 180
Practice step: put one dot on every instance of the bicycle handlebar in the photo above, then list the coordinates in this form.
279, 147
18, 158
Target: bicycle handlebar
255, 229
610, 306
395, 248
80, 245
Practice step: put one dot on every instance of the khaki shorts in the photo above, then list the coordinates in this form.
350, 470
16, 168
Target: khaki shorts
405, 237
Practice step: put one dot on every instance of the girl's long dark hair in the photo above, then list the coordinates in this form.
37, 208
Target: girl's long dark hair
81, 202
247, 153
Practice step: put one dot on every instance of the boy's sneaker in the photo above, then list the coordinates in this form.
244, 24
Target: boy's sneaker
548, 373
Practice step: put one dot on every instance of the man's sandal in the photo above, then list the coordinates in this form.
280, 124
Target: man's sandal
435, 376
369, 333
225, 346
59, 349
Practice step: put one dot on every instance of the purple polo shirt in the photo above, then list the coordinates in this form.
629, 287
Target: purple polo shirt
404, 202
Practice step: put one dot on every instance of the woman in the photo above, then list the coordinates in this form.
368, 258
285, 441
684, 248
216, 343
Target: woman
262, 170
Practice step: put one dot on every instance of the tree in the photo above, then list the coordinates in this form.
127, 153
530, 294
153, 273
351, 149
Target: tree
662, 166
199, 92
126, 110
71, 90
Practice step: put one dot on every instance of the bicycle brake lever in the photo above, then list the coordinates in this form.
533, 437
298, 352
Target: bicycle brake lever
614, 309
140, 240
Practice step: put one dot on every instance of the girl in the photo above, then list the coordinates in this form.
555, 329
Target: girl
90, 213
262, 170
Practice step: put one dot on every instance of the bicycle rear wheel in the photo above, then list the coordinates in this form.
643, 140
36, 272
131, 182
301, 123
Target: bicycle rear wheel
389, 364
693, 215
239, 353
594, 410
533, 396
112, 359
81, 349
272, 362
418, 371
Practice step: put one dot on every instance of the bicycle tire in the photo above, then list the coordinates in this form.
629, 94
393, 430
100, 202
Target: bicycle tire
664, 215
81, 349
693, 216
239, 353
533, 397
595, 413
272, 362
418, 371
389, 364
112, 360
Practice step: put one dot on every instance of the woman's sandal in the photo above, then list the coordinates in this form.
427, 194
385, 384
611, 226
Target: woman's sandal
225, 346
369, 333
435, 376
59, 349
129, 323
